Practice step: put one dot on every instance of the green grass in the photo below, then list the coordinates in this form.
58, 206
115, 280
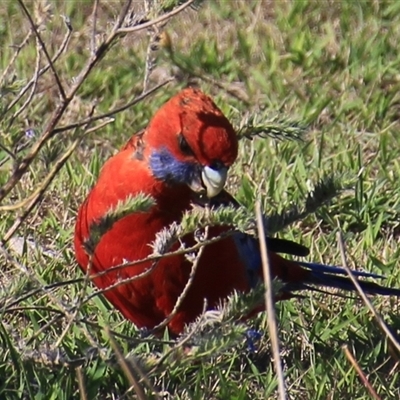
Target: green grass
331, 65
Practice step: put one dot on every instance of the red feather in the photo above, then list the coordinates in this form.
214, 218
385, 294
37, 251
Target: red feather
149, 300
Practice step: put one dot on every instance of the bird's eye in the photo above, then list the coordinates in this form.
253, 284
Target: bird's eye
184, 146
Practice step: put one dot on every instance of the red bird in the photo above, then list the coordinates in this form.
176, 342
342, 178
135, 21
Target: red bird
183, 155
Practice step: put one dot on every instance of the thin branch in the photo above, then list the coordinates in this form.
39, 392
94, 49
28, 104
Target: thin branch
149, 63
153, 257
94, 27
122, 16
269, 303
43, 46
185, 339
30, 308
55, 118
48, 131
40, 190
126, 368
381, 323
185, 290
32, 200
81, 383
34, 85
156, 21
214, 82
15, 55
9, 152
37, 281
114, 111
126, 338
61, 49
360, 373
220, 85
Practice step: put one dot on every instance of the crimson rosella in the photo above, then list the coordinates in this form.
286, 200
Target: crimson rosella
184, 154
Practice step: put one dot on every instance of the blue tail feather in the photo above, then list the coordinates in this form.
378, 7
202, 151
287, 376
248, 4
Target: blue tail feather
330, 269
326, 275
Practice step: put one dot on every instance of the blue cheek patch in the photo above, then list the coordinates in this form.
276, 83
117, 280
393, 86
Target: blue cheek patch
167, 168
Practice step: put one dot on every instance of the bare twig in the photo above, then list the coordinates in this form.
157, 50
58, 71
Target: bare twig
149, 63
46, 181
73, 315
34, 85
220, 85
43, 46
81, 383
93, 60
116, 110
43, 328
30, 308
148, 271
360, 372
18, 49
182, 342
156, 21
37, 280
94, 27
9, 152
43, 70
32, 200
185, 290
126, 368
121, 16
126, 338
381, 323
269, 303
154, 258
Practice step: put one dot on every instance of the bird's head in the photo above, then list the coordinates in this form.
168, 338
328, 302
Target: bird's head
189, 141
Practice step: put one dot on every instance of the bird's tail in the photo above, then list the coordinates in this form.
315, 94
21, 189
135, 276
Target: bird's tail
330, 276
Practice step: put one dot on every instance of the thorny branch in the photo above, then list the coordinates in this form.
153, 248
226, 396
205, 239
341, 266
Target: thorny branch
18, 49
42, 71
117, 32
158, 20
114, 111
44, 48
35, 197
189, 283
22, 162
34, 85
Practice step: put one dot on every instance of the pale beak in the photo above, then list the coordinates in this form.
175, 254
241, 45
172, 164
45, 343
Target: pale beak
214, 180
